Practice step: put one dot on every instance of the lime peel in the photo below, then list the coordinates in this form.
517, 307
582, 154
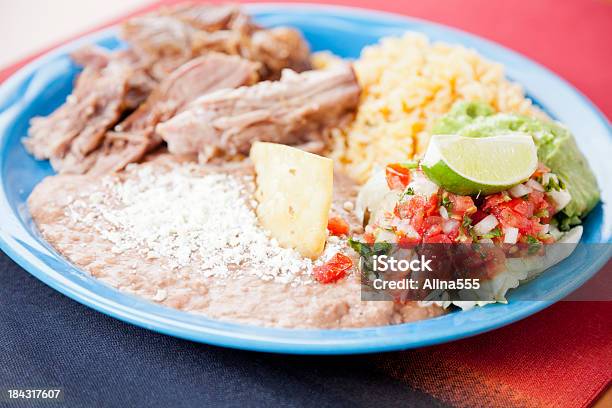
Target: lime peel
469, 166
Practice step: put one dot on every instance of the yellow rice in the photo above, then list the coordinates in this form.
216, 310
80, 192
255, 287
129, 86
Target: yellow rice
407, 82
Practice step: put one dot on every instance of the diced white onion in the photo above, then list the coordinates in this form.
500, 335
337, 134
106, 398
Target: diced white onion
520, 190
444, 213
449, 226
486, 225
561, 198
545, 229
421, 185
372, 195
535, 185
510, 235
405, 227
386, 236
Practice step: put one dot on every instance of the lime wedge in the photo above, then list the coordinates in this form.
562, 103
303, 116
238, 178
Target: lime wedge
486, 165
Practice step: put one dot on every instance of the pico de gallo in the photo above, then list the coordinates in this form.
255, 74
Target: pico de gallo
425, 213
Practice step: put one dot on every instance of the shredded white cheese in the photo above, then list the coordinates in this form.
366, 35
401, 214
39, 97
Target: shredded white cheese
186, 218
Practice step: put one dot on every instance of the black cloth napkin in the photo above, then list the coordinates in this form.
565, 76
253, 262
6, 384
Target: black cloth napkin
48, 340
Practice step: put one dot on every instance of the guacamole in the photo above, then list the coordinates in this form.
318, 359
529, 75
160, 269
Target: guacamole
557, 149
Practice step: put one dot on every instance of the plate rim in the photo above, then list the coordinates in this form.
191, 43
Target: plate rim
266, 339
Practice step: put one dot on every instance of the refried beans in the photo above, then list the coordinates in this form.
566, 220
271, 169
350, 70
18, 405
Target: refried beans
186, 236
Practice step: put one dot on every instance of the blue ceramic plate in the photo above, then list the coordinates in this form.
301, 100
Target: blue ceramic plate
41, 86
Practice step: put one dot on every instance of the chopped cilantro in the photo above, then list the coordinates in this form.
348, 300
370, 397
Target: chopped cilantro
467, 221
382, 248
407, 192
447, 203
534, 244
554, 184
473, 234
495, 232
367, 251
358, 246
468, 228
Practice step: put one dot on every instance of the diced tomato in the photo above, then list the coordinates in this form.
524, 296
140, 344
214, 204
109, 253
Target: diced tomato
369, 238
494, 200
337, 226
548, 239
536, 227
453, 234
540, 203
423, 214
462, 204
334, 269
510, 218
524, 208
413, 210
401, 210
537, 199
519, 212
398, 177
432, 226
409, 208
433, 205
536, 196
433, 220
406, 242
451, 228
437, 239
417, 222
433, 230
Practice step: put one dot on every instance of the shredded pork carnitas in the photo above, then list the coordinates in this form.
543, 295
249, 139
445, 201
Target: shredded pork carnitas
174, 55
135, 136
297, 110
